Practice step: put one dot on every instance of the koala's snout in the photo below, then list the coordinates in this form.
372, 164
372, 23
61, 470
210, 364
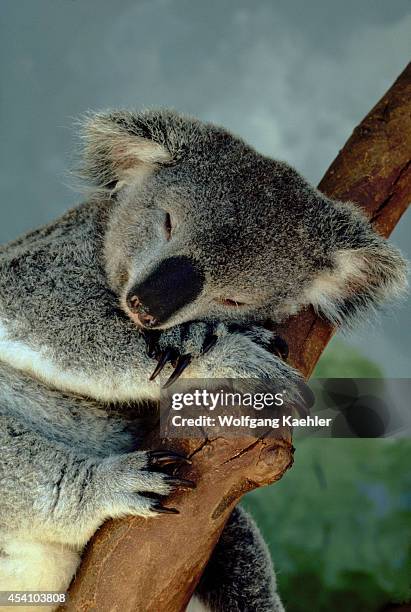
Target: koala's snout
173, 284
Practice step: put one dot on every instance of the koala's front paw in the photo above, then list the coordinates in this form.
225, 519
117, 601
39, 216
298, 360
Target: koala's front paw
222, 351
180, 345
130, 483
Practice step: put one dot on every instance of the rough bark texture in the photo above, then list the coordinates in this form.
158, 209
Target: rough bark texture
159, 561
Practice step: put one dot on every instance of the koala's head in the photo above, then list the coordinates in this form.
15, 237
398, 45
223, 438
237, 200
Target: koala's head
202, 226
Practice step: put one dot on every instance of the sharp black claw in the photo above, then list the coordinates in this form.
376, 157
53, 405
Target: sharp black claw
209, 343
182, 362
163, 510
152, 339
163, 458
165, 356
280, 347
182, 483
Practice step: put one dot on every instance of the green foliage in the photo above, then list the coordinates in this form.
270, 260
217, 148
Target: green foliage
342, 361
338, 524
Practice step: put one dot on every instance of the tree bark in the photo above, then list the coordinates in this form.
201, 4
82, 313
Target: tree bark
154, 565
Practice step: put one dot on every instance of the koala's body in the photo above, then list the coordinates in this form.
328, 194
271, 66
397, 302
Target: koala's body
189, 238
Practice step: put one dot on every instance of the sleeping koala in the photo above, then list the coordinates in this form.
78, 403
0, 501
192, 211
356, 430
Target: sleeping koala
188, 242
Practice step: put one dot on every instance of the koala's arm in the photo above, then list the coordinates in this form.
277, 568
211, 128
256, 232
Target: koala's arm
71, 334
65, 495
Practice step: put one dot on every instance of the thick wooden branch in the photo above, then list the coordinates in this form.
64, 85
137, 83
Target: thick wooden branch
154, 565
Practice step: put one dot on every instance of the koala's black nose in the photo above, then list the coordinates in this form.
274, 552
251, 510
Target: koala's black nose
175, 282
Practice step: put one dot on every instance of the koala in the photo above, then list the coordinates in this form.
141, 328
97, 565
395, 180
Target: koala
187, 242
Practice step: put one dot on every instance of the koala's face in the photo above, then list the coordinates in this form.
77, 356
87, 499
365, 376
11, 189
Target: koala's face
201, 226
185, 246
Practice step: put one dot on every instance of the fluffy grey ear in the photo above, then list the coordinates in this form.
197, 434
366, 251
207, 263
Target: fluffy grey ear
366, 272
118, 150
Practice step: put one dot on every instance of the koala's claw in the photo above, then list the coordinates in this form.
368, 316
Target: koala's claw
209, 343
131, 483
164, 357
163, 510
163, 458
181, 483
182, 362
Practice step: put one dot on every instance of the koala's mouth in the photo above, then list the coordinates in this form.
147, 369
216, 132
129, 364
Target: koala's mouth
142, 320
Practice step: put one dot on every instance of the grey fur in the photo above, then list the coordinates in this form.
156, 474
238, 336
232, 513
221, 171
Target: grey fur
75, 369
240, 571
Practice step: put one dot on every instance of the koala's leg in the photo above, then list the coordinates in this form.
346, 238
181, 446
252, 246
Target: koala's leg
239, 576
27, 565
53, 499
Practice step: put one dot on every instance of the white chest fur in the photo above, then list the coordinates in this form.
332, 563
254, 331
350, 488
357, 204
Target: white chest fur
103, 385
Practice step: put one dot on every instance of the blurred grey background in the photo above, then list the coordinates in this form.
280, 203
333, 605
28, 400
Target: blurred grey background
292, 77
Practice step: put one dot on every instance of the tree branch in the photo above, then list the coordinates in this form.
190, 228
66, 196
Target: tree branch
134, 564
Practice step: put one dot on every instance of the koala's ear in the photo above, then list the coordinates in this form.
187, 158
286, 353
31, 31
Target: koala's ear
118, 149
366, 271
